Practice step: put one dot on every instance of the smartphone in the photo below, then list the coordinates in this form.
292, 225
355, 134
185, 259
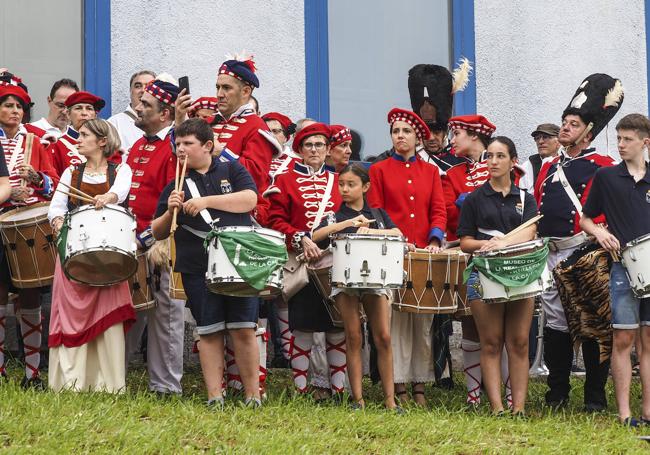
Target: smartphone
184, 83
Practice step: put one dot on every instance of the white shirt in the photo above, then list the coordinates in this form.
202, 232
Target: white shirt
121, 187
527, 181
125, 126
50, 130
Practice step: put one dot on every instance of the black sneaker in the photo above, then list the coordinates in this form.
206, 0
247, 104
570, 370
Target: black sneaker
34, 382
253, 403
216, 404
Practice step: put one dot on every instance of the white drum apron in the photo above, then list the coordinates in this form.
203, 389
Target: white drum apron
100, 246
493, 292
636, 260
367, 261
222, 277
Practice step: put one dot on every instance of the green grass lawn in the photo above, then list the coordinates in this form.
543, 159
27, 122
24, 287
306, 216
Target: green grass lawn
140, 422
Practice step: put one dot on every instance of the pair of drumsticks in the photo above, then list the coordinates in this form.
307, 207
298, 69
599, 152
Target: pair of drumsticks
76, 193
178, 187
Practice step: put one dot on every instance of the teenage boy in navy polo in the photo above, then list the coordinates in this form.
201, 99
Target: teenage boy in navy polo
622, 194
227, 193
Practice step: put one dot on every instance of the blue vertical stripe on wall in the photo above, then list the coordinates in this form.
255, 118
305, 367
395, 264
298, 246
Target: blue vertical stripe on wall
463, 38
317, 60
97, 50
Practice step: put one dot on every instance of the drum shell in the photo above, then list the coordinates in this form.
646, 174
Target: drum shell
222, 277
636, 260
176, 289
30, 266
363, 261
444, 270
140, 285
493, 292
100, 247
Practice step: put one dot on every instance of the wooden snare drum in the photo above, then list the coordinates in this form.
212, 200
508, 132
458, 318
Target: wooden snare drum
176, 290
29, 245
433, 282
140, 285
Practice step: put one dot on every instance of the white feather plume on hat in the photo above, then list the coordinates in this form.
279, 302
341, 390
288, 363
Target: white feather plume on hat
461, 75
614, 95
166, 77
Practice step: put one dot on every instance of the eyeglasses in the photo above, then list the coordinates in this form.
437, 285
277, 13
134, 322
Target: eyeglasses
277, 131
541, 137
60, 105
314, 145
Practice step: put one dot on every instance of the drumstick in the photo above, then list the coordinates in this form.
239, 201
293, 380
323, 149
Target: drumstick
75, 190
28, 155
179, 188
523, 226
176, 178
81, 198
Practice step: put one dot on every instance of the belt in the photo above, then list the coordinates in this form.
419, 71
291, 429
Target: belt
196, 232
565, 243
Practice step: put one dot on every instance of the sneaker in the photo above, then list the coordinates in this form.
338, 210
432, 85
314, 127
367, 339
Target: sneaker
577, 371
631, 422
216, 404
35, 382
253, 403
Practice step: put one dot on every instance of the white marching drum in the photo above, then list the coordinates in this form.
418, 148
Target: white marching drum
493, 292
223, 278
100, 245
368, 261
636, 260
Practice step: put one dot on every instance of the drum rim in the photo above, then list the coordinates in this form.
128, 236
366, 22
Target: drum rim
114, 207
634, 242
25, 221
355, 236
361, 285
68, 258
256, 229
512, 248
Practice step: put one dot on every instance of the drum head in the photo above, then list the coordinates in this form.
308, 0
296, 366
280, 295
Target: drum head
100, 268
23, 214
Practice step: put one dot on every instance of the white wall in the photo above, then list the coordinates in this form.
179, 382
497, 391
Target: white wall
531, 57
191, 37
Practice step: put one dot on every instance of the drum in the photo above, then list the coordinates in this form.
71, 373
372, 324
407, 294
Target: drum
319, 274
100, 245
29, 245
368, 261
140, 285
222, 277
494, 292
432, 282
176, 290
636, 260
460, 291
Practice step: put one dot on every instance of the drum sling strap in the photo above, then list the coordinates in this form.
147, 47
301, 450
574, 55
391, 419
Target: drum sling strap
194, 191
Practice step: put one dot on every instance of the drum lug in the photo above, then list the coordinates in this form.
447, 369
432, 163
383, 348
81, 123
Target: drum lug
383, 275
347, 273
641, 280
632, 255
384, 249
365, 271
347, 247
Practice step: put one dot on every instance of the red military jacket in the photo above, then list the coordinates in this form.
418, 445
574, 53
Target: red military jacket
411, 193
294, 199
154, 165
561, 218
14, 151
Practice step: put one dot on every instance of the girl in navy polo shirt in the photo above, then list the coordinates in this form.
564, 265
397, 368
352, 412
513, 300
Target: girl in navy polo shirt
497, 207
355, 215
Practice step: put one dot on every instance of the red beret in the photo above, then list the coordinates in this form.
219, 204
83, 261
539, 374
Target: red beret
16, 91
310, 130
285, 122
340, 134
402, 115
205, 102
86, 98
476, 123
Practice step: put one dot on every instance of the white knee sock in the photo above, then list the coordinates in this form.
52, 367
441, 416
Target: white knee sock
262, 338
31, 329
233, 379
300, 351
505, 376
3, 320
285, 333
336, 359
472, 369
